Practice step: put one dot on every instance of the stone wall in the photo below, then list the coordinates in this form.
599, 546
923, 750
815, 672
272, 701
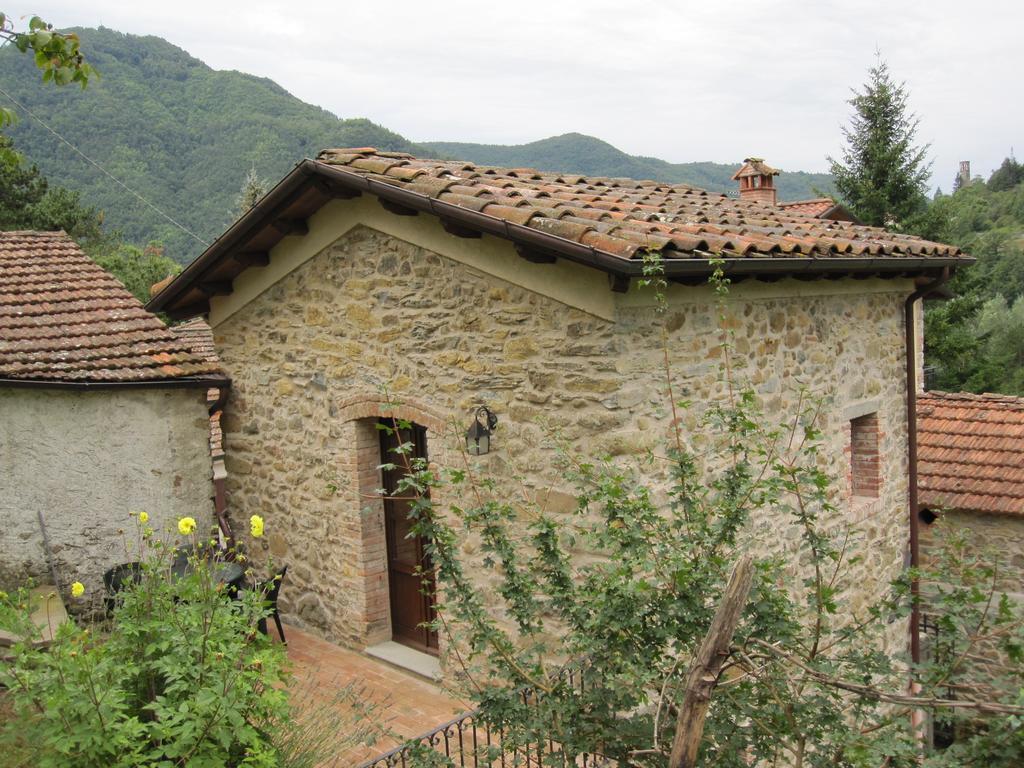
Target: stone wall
85, 460
310, 355
997, 540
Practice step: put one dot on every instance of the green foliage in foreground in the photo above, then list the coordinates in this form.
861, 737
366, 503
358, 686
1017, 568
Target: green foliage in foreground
808, 682
179, 677
55, 54
975, 342
813, 678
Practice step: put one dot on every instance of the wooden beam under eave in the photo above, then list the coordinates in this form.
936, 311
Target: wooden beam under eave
216, 288
459, 230
397, 208
331, 191
291, 226
535, 256
189, 310
619, 283
252, 258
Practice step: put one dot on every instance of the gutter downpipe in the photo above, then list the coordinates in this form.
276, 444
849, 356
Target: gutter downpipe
220, 502
910, 328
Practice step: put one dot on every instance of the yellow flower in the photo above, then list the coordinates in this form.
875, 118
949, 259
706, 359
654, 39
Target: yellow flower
186, 525
143, 517
77, 589
256, 526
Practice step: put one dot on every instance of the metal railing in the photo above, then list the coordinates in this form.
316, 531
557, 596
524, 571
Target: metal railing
468, 741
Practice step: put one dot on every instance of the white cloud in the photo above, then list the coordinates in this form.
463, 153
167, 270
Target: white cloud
678, 80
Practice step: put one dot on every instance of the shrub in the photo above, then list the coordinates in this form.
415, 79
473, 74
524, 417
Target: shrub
178, 676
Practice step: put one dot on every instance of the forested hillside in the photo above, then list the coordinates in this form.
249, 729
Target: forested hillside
185, 137
180, 133
975, 342
577, 153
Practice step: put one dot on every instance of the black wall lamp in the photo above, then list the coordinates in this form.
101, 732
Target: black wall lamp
478, 436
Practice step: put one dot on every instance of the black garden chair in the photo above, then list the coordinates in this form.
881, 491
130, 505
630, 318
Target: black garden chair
271, 589
116, 579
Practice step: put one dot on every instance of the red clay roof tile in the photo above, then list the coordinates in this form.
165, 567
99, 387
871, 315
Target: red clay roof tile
743, 227
64, 319
971, 452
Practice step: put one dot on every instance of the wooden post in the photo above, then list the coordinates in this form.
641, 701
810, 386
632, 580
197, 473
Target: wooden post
703, 674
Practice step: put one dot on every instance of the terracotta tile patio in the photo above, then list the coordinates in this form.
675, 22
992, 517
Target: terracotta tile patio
410, 704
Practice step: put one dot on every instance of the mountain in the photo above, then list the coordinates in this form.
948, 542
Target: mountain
181, 134
578, 153
185, 136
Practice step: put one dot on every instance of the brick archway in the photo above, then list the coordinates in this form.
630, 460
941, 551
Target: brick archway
368, 621
377, 406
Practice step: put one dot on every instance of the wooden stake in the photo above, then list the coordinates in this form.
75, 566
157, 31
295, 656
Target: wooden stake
703, 675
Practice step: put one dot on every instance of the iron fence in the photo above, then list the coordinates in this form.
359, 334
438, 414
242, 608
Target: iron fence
468, 741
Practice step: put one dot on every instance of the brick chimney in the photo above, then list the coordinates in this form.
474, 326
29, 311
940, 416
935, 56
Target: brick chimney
756, 181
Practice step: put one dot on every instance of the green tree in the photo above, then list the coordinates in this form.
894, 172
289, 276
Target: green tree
609, 653
138, 268
176, 676
1006, 176
55, 53
882, 175
27, 201
969, 343
253, 188
808, 679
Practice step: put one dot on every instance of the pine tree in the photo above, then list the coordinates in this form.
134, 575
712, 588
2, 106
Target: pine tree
883, 175
253, 188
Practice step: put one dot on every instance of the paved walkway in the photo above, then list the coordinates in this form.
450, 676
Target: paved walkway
410, 705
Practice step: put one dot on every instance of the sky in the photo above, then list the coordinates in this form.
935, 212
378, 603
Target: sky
683, 81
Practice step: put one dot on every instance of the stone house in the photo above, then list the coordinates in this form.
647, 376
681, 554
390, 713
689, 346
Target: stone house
971, 484
103, 411
368, 278
971, 475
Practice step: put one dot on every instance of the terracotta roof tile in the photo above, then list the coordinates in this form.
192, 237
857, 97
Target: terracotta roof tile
971, 452
197, 335
815, 207
64, 319
730, 227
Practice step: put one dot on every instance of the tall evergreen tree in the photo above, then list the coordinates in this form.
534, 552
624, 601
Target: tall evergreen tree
253, 188
883, 174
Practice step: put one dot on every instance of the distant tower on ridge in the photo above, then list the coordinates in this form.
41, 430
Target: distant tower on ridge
965, 172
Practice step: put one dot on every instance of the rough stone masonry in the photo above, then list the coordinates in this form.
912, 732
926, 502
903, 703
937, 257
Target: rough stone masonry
311, 355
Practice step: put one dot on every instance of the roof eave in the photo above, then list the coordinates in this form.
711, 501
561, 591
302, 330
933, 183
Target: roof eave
285, 191
184, 382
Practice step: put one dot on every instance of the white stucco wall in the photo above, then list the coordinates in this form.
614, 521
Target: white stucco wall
88, 458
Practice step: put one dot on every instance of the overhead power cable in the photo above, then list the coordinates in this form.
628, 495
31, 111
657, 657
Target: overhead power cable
103, 170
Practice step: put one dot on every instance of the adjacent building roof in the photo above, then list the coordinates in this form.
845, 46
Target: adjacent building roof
65, 320
820, 208
605, 223
197, 335
971, 452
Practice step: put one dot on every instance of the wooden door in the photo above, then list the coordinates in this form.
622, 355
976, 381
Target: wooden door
411, 580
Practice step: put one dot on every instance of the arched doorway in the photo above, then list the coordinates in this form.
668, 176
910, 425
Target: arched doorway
411, 582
